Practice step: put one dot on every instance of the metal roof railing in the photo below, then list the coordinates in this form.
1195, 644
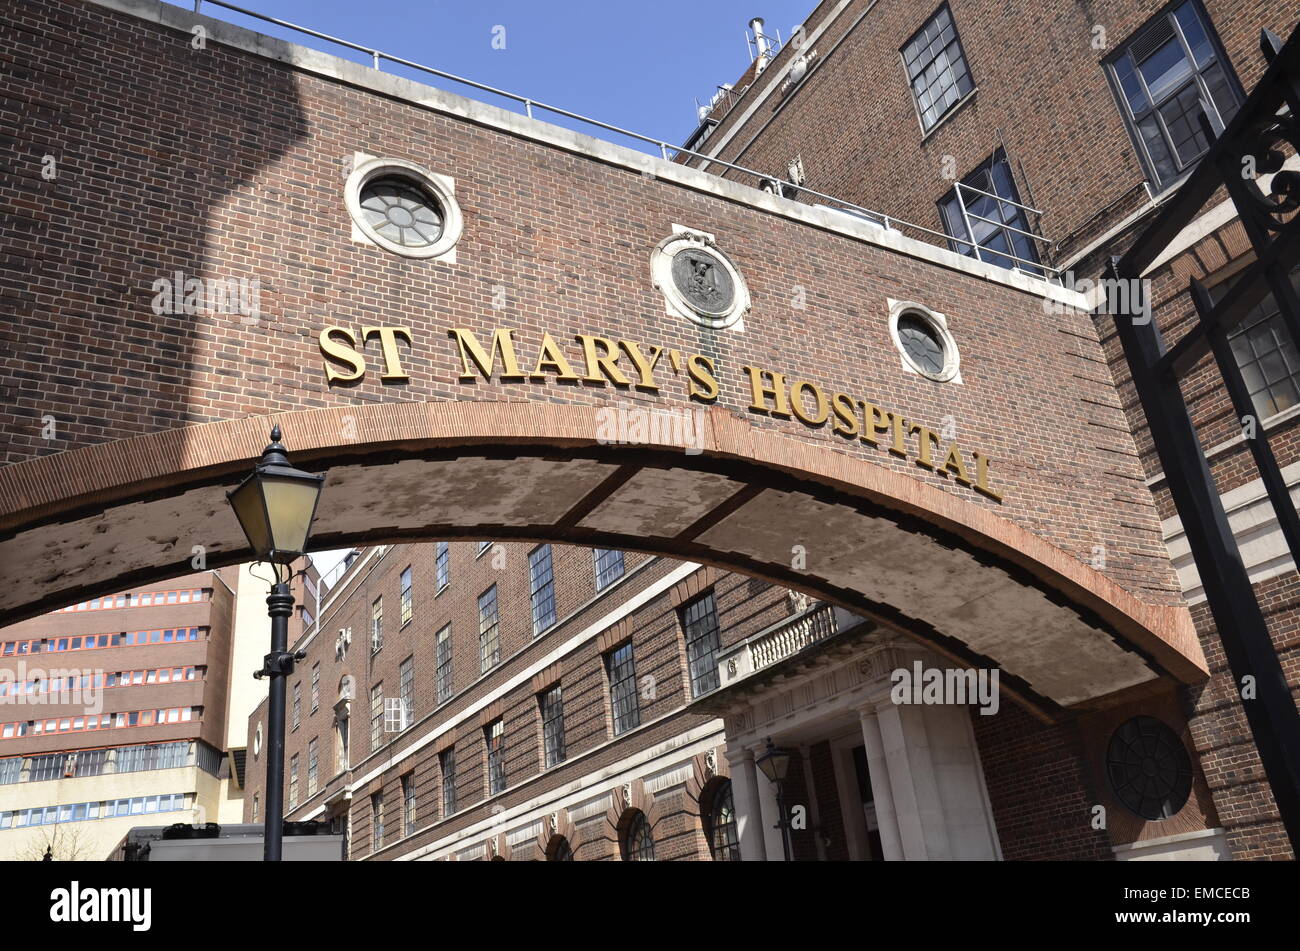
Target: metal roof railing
379, 57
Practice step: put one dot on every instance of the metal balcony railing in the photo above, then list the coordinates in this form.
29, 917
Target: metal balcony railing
531, 106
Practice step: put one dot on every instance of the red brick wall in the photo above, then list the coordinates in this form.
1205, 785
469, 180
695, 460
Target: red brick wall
1039, 788
183, 198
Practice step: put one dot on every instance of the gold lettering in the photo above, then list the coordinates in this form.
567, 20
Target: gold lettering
551, 359
703, 385
598, 363
846, 415
982, 476
797, 390
344, 353
928, 438
877, 420
645, 367
470, 349
760, 392
953, 463
388, 343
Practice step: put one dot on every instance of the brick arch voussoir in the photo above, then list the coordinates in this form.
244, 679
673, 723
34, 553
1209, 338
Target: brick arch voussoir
55, 487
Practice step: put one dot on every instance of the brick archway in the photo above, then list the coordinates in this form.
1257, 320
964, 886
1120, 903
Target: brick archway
973, 584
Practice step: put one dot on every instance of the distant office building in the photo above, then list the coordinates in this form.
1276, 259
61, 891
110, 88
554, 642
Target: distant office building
127, 710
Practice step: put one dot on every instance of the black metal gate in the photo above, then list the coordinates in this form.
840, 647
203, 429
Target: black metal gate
1253, 144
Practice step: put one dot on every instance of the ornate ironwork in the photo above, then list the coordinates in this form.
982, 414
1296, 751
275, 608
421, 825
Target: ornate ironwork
1248, 148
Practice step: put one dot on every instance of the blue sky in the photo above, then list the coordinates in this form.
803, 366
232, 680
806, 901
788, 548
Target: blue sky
636, 65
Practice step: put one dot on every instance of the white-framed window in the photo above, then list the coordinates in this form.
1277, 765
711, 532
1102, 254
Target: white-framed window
408, 596
542, 587
609, 566
1161, 77
489, 630
936, 68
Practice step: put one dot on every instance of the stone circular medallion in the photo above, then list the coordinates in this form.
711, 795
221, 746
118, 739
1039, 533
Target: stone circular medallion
700, 278
698, 281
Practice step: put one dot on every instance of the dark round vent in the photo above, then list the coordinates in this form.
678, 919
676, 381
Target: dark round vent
1149, 769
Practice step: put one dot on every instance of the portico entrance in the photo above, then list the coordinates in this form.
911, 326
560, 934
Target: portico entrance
869, 778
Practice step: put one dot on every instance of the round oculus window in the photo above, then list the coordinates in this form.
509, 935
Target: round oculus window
1149, 769
403, 208
922, 345
401, 211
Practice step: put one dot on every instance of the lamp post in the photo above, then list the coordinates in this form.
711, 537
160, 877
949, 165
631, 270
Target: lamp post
775, 764
275, 505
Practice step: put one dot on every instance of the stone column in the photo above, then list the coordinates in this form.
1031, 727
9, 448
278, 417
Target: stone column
745, 797
891, 843
814, 810
938, 793
772, 840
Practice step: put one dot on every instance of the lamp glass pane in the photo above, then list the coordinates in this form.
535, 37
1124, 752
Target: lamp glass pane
290, 504
247, 503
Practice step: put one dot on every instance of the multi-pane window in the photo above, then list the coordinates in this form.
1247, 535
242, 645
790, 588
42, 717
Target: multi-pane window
986, 219
724, 842
495, 736
442, 564
376, 715
700, 625
609, 566
377, 625
408, 804
315, 687
447, 766
407, 595
552, 705
406, 675
293, 780
638, 843
11, 770
312, 763
542, 584
377, 811
297, 704
444, 664
1161, 77
134, 759
47, 767
936, 68
489, 630
621, 670
1266, 355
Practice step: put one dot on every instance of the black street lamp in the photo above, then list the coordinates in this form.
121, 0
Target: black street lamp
775, 764
275, 505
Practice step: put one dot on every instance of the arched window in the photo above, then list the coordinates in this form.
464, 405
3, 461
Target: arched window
724, 843
560, 850
638, 843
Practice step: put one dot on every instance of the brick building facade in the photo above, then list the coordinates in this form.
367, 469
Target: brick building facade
994, 512
1052, 111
